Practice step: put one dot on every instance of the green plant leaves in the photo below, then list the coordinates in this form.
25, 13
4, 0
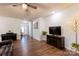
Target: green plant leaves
74, 45
44, 33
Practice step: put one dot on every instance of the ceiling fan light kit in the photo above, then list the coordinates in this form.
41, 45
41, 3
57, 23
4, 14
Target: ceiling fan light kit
24, 6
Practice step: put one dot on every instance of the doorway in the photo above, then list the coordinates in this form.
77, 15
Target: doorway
24, 29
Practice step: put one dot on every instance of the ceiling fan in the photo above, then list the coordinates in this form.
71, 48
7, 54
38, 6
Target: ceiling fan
25, 5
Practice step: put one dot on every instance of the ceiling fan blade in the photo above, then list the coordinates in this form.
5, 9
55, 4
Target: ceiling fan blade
14, 5
31, 6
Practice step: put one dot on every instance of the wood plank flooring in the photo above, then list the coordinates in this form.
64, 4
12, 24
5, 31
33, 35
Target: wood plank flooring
31, 47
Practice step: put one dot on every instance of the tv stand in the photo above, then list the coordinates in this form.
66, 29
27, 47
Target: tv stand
56, 40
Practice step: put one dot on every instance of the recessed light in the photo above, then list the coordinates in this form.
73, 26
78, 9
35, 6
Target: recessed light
53, 12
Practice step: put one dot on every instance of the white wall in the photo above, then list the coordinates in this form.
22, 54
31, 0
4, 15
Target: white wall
36, 34
62, 18
7, 23
30, 28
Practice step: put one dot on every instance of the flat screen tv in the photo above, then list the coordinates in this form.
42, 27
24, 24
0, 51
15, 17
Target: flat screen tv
56, 30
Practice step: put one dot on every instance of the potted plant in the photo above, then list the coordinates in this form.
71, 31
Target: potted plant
75, 45
44, 33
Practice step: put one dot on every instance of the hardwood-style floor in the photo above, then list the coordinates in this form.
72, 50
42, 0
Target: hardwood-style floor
31, 47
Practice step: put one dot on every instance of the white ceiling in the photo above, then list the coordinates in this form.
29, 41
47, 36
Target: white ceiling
42, 10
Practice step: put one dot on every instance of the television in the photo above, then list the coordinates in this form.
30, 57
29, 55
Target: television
56, 30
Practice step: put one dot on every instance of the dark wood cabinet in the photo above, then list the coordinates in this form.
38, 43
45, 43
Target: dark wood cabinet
9, 36
56, 40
